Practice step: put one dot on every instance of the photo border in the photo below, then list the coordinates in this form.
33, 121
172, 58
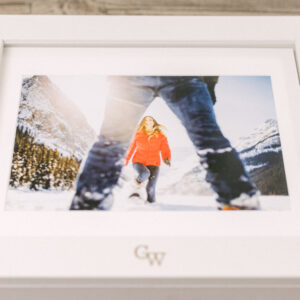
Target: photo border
237, 247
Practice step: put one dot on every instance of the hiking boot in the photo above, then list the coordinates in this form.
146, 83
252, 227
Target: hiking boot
243, 202
140, 184
151, 200
137, 189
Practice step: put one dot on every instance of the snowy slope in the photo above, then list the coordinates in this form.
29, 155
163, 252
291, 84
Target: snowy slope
61, 201
52, 119
185, 177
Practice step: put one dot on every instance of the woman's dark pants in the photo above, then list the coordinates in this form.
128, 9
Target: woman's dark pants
149, 173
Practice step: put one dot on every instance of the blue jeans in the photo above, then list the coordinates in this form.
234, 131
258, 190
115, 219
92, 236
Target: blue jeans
188, 97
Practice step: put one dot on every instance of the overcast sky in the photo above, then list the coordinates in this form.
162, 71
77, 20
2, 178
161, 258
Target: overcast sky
243, 103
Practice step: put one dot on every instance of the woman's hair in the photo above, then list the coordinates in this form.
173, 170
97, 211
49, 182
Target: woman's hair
157, 127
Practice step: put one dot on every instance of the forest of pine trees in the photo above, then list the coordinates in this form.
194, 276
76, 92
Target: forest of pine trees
37, 167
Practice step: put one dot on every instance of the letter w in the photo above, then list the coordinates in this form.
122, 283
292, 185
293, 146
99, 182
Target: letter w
156, 257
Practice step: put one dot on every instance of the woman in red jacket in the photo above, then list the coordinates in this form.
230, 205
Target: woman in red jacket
148, 142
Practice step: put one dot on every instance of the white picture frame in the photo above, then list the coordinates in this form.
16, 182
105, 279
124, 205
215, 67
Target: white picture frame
65, 251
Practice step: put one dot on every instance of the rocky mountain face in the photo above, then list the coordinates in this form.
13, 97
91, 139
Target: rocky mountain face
52, 119
256, 148
262, 156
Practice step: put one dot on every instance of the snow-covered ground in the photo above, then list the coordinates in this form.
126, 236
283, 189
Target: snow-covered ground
60, 201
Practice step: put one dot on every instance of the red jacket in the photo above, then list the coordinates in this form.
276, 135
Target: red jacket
147, 151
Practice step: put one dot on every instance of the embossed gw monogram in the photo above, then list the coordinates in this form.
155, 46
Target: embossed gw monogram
153, 257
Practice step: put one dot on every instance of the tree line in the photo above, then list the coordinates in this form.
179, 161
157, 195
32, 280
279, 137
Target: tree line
37, 167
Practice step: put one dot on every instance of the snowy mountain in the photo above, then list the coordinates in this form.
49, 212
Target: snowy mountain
261, 153
257, 148
52, 119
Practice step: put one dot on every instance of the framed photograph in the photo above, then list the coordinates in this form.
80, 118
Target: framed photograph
169, 155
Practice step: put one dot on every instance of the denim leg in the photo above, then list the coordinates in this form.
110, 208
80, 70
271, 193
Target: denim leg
142, 171
125, 105
150, 188
190, 100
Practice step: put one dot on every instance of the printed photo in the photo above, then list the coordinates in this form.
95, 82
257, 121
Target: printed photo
147, 143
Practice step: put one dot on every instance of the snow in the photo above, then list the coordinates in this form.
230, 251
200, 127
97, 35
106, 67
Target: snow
262, 138
251, 168
60, 201
39, 201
